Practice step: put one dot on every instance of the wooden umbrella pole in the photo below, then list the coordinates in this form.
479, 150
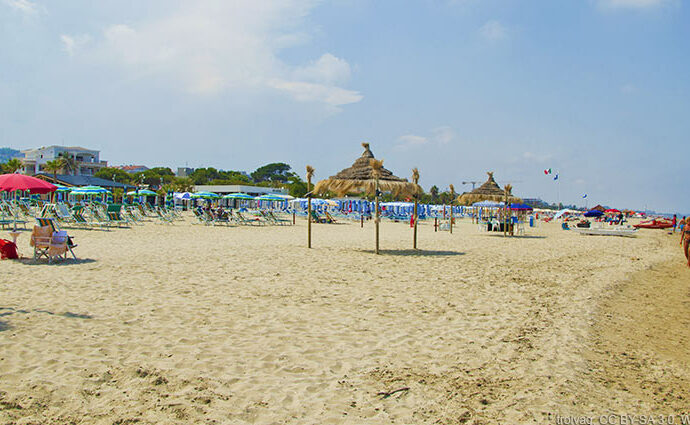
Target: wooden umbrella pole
310, 172
415, 180
414, 240
377, 215
505, 214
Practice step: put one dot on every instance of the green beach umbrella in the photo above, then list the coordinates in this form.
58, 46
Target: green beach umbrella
238, 196
143, 192
269, 198
205, 195
89, 190
62, 189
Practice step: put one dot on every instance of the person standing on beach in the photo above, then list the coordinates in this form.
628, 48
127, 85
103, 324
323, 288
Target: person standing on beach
674, 222
685, 238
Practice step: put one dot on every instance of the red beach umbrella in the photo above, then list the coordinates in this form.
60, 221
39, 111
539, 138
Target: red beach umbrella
16, 182
612, 211
12, 182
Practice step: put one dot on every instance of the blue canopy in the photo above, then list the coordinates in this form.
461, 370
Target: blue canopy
593, 213
487, 204
521, 207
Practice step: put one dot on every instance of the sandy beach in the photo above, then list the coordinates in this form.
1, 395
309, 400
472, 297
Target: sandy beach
179, 324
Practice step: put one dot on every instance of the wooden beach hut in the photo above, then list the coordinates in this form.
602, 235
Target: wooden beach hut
367, 175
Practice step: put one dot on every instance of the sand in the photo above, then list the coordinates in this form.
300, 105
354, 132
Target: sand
183, 323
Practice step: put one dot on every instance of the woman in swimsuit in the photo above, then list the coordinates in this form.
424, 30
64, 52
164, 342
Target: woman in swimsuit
685, 239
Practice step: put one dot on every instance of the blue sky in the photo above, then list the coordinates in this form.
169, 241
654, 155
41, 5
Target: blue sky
597, 90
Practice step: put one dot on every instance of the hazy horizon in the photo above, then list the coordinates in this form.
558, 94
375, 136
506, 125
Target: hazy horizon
595, 90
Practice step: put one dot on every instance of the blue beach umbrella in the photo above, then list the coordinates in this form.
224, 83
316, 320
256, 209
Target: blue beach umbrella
205, 195
143, 192
238, 196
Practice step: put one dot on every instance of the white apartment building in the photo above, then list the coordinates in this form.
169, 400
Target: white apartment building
87, 160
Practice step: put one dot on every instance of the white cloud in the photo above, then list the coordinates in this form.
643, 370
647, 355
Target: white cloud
439, 136
410, 141
443, 135
534, 157
24, 6
328, 69
631, 4
72, 44
493, 30
314, 92
211, 46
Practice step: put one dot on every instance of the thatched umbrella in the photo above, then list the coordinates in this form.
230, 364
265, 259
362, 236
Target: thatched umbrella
367, 175
310, 173
489, 191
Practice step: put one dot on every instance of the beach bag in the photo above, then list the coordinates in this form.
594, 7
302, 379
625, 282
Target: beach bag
8, 250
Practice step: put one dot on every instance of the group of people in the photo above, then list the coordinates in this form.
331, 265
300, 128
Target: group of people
684, 226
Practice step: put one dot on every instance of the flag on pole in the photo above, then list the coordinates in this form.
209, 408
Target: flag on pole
547, 171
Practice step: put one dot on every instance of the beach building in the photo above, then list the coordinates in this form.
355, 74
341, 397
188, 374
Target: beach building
87, 161
184, 171
74, 181
236, 188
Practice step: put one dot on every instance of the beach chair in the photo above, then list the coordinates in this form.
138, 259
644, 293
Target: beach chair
25, 209
222, 218
130, 215
280, 221
162, 216
329, 217
62, 213
114, 215
98, 218
59, 246
78, 219
255, 221
55, 227
41, 237
202, 217
316, 218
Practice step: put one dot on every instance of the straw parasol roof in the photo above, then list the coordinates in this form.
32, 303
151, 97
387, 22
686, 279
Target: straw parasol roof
599, 208
361, 176
489, 191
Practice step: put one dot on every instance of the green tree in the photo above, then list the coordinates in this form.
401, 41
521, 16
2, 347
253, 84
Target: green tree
121, 176
12, 165
204, 175
183, 184
67, 162
434, 194
162, 171
53, 167
276, 172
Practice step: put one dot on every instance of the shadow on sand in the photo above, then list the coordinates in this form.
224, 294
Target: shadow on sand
414, 252
500, 235
11, 310
29, 261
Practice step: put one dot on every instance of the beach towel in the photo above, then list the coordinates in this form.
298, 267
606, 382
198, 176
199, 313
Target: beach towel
8, 250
